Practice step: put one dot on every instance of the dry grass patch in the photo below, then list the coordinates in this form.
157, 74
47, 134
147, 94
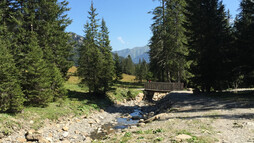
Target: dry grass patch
73, 69
128, 78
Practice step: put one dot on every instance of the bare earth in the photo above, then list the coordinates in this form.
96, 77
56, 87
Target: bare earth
209, 118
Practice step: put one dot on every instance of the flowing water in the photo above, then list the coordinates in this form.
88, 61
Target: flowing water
122, 123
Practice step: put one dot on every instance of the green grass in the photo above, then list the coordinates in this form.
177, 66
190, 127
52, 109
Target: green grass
77, 103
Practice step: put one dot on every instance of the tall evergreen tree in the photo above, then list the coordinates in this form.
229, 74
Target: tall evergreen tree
245, 34
108, 63
157, 42
118, 68
208, 41
168, 52
141, 70
51, 22
90, 61
35, 74
128, 66
11, 95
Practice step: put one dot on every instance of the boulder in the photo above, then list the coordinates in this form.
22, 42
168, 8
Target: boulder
31, 135
139, 97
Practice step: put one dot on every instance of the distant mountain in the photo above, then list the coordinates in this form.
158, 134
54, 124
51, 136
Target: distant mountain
135, 53
78, 40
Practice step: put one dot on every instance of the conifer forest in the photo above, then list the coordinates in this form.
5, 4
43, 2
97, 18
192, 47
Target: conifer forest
195, 42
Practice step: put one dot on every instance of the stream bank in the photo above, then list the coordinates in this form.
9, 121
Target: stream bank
84, 129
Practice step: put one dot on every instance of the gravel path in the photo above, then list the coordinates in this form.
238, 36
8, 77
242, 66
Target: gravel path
232, 120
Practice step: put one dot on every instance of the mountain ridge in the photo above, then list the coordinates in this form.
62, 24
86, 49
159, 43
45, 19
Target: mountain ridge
136, 53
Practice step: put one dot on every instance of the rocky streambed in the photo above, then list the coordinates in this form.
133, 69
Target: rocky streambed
97, 125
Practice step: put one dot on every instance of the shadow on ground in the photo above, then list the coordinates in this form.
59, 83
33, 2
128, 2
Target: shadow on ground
185, 101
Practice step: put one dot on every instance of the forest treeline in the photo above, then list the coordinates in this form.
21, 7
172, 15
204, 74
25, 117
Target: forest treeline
34, 53
194, 41
197, 42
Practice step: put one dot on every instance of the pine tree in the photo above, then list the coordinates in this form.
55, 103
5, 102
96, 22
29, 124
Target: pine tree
56, 82
138, 72
245, 34
168, 52
35, 74
50, 25
108, 63
90, 61
208, 41
157, 42
118, 68
141, 70
11, 95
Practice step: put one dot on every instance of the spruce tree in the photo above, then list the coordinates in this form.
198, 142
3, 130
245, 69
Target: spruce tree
128, 66
11, 95
168, 52
90, 61
208, 40
157, 42
50, 25
118, 68
107, 59
35, 74
245, 34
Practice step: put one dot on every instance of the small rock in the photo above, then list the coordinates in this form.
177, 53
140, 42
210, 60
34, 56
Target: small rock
65, 141
84, 116
1, 135
97, 120
141, 120
31, 131
133, 127
49, 139
65, 128
151, 113
31, 122
33, 136
101, 117
101, 110
44, 141
183, 137
65, 134
91, 122
77, 120
88, 140
21, 140
76, 132
141, 124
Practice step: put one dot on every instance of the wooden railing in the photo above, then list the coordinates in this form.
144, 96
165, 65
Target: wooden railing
163, 86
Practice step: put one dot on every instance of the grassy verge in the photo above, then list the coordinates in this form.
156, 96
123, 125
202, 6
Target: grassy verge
77, 103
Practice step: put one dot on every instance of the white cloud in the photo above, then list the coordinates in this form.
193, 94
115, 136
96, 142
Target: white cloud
121, 40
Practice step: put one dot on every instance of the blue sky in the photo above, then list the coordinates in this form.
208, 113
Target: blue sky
128, 20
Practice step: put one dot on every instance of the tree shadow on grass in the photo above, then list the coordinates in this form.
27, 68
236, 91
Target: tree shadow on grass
101, 100
188, 102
